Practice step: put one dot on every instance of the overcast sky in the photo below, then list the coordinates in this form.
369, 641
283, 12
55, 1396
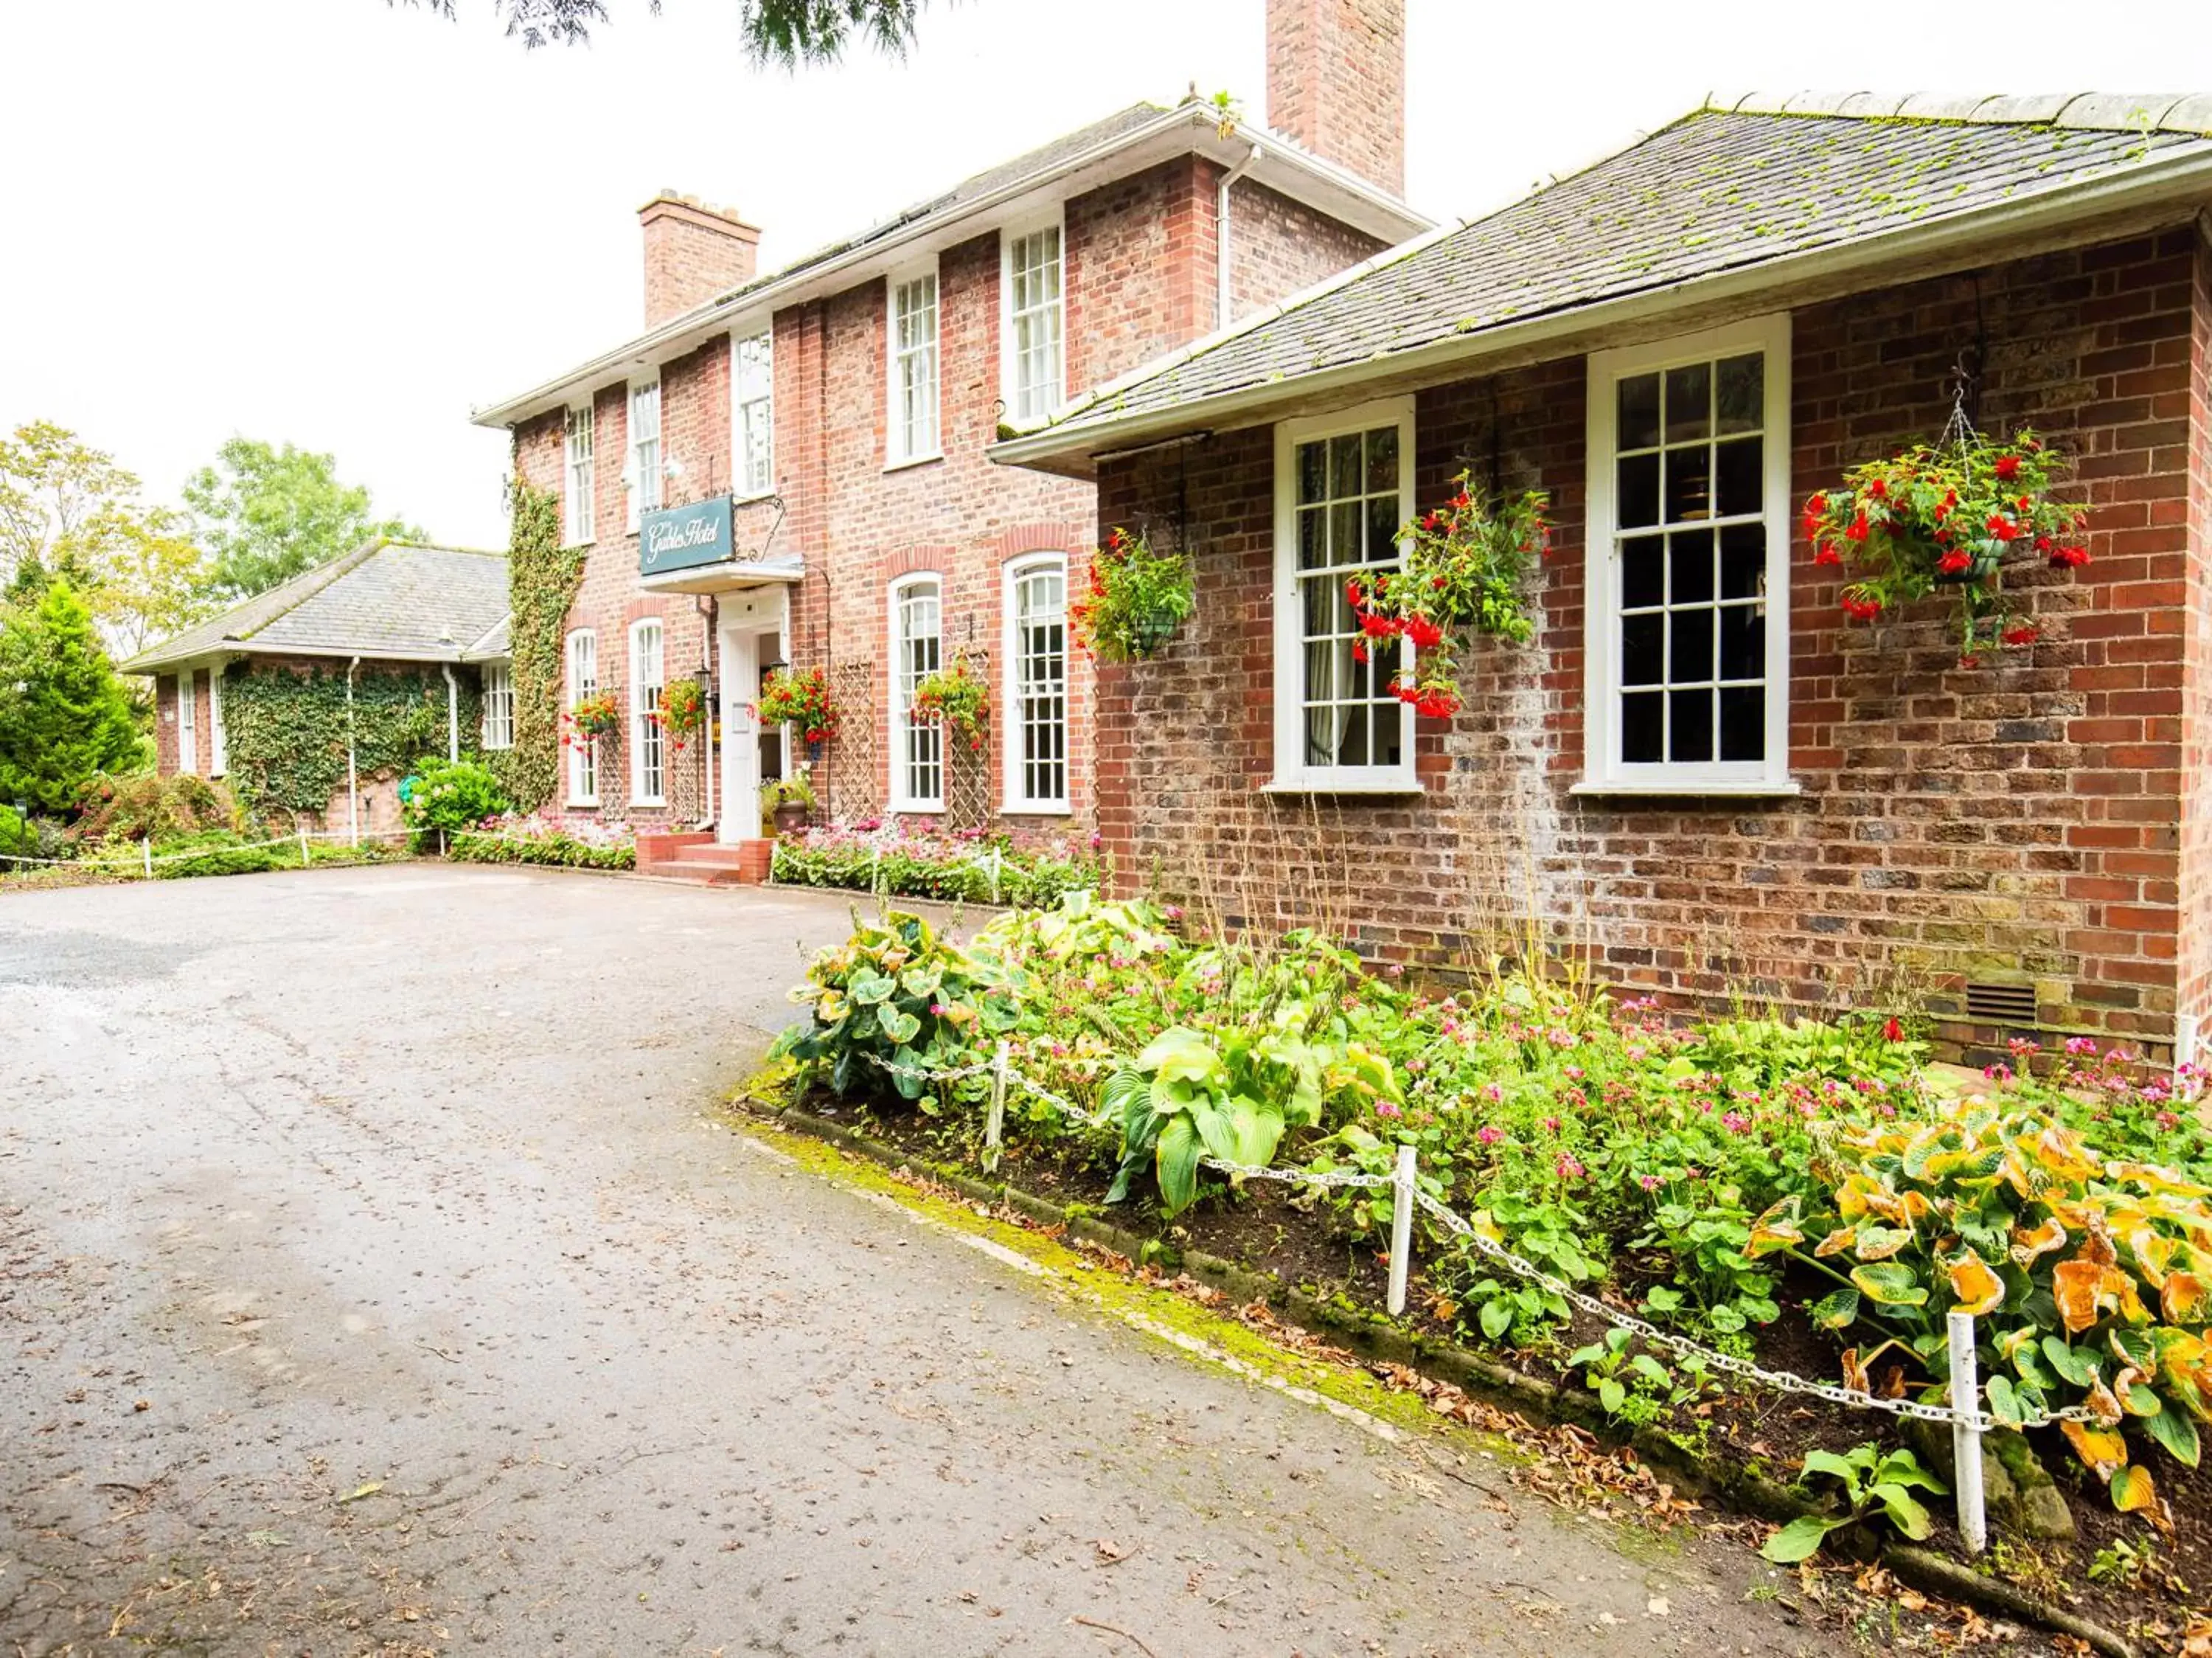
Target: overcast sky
343, 225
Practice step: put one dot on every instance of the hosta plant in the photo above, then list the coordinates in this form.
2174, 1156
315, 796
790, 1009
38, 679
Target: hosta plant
1868, 1481
1466, 572
895, 1003
2089, 1277
1948, 517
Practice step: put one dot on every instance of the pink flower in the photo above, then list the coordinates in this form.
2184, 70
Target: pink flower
1649, 1182
1489, 1135
2081, 1044
1569, 1167
1734, 1122
1552, 1123
1388, 1108
1493, 1092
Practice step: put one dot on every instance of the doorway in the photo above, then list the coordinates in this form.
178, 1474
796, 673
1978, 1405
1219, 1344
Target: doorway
750, 633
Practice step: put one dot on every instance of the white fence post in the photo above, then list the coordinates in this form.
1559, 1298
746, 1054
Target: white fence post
998, 857
1401, 1228
304, 858
995, 1127
146, 846
1966, 1434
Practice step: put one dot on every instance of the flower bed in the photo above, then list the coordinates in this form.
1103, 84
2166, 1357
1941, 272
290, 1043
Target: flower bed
1813, 1197
963, 867
534, 839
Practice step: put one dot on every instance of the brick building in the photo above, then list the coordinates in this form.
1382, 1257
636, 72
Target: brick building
1700, 774
793, 466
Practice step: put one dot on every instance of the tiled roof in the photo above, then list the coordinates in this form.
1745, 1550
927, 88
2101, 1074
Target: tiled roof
389, 598
1723, 189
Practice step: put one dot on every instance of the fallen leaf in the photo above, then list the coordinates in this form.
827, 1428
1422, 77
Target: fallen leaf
360, 1491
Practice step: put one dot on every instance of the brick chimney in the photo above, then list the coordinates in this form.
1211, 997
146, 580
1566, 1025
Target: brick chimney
692, 253
1336, 83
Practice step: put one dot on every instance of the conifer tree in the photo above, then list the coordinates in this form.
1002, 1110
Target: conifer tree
64, 715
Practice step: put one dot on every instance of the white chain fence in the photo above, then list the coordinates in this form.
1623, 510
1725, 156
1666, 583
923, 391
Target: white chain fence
149, 860
1968, 1422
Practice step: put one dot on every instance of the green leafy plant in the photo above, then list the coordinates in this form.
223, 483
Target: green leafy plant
787, 792
543, 577
800, 699
1187, 1095
146, 807
1868, 1481
682, 712
450, 795
583, 846
1633, 1386
288, 730
956, 697
1137, 600
951, 868
894, 1004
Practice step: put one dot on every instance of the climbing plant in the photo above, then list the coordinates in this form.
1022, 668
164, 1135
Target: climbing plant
542, 579
285, 729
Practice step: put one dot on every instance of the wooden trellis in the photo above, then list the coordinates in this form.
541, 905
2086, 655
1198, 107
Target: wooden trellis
848, 765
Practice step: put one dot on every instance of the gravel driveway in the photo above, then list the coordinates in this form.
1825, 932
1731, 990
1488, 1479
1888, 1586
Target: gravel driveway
370, 1280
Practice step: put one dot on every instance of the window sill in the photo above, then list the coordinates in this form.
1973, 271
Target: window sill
751, 497
582, 806
929, 459
659, 805
1404, 787
931, 809
1687, 790
1037, 810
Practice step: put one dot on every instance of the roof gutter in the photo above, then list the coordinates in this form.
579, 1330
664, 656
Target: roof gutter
2178, 179
791, 289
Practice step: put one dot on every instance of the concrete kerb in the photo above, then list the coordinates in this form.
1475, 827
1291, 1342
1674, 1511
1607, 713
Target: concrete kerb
1372, 1337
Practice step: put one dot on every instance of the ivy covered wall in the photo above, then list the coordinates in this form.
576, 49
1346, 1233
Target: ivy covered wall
543, 577
285, 726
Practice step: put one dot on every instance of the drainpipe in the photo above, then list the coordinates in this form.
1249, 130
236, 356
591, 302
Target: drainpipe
452, 713
353, 773
1221, 237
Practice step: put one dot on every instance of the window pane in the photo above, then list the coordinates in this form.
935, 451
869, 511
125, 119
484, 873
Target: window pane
1352, 749
1344, 540
1321, 677
1388, 741
1313, 537
1344, 466
1737, 480
1689, 484
1743, 724
1638, 489
1690, 567
1312, 471
1381, 529
1323, 606
1382, 459
1743, 642
1689, 403
1639, 412
1743, 561
1642, 572
1690, 657
1641, 637
1690, 730
1742, 392
1642, 727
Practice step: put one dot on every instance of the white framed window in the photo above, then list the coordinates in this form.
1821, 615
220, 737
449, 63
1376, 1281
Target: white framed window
1688, 657
644, 476
752, 413
583, 681
498, 705
580, 477
218, 740
1034, 311
1035, 650
188, 723
1344, 487
910, 428
917, 747
648, 743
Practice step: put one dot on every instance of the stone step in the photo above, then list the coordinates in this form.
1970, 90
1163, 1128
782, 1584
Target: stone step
744, 863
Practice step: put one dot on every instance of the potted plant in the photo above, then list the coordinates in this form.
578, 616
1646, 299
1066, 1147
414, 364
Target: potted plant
1139, 598
788, 697
682, 711
591, 719
1948, 517
957, 698
788, 800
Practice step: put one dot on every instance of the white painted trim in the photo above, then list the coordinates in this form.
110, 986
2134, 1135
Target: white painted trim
639, 725
1011, 734
1602, 769
895, 702
1009, 377
895, 451
188, 723
1291, 774
575, 759
218, 737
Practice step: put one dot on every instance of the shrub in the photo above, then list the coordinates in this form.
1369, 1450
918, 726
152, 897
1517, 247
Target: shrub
16, 835
535, 840
450, 795
954, 868
148, 807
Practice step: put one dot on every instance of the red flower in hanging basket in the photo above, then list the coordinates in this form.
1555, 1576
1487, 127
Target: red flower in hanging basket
2069, 557
1375, 626
2020, 636
1953, 563
2007, 467
1825, 553
1424, 633
1860, 609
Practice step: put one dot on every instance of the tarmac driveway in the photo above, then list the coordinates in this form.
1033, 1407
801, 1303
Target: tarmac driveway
370, 1280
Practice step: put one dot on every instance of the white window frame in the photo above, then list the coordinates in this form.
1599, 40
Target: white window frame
1009, 375
1292, 775
647, 738
902, 448
752, 411
498, 725
581, 677
644, 478
1015, 740
218, 739
578, 476
902, 728
1603, 771
188, 723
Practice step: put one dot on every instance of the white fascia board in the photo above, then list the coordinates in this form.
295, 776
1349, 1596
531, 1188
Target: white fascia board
1285, 167
1067, 448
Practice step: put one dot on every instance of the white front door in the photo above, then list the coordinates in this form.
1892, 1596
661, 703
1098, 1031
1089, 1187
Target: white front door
739, 818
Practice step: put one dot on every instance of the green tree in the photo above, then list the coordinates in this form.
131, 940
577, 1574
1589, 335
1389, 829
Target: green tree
65, 717
268, 513
69, 512
787, 32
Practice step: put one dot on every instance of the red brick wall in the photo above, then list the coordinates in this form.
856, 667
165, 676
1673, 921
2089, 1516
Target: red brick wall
2015, 819
1277, 246
692, 253
1336, 83
2195, 989
1139, 269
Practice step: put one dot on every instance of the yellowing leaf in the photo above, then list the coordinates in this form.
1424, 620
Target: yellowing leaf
2027, 1244
2132, 1490
1892, 1284
1879, 1243
1835, 1242
2184, 1297
2101, 1449
2075, 1286
1979, 1290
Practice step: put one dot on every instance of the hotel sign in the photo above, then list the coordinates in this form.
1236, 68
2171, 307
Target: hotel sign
682, 538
